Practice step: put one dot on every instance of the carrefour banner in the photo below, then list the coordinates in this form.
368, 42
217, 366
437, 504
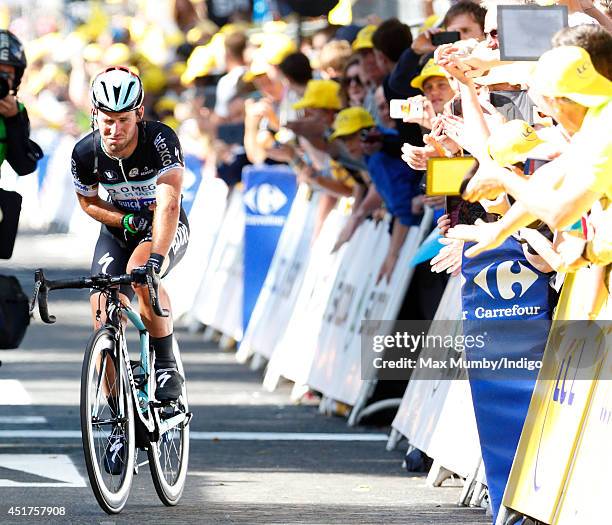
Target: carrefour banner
192, 178
268, 195
501, 285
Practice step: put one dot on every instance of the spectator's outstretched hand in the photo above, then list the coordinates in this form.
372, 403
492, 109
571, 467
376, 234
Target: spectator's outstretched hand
446, 59
449, 258
454, 129
416, 157
422, 45
387, 268
486, 184
379, 214
570, 248
486, 235
347, 232
444, 224
481, 60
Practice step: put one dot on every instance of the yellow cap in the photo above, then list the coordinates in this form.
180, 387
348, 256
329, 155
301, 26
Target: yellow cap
165, 104
430, 69
322, 94
274, 49
428, 23
153, 80
258, 67
342, 14
363, 40
178, 68
233, 27
199, 64
511, 142
350, 121
205, 28
568, 71
92, 53
171, 122
116, 55
277, 47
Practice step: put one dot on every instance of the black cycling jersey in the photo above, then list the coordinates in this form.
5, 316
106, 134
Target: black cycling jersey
131, 182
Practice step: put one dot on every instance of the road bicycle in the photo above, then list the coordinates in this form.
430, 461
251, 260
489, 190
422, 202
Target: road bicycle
119, 413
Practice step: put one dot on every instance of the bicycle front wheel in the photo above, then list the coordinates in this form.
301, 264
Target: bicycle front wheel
169, 457
107, 422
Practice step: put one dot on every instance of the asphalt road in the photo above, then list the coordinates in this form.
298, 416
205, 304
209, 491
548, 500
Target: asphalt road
248, 476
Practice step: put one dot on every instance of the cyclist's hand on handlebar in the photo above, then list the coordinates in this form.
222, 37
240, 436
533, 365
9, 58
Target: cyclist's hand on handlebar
155, 263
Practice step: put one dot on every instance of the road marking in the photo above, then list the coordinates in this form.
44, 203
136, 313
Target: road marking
209, 436
22, 420
57, 468
13, 393
286, 436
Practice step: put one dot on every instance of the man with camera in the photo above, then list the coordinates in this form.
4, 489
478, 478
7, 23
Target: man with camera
15, 145
22, 154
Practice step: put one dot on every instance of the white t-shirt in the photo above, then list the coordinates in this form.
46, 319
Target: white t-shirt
226, 89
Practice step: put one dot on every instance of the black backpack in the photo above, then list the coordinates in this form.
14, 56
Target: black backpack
14, 312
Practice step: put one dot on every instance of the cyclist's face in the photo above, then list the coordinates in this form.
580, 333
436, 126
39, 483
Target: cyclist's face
118, 130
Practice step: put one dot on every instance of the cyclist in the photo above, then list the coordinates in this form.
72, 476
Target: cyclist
140, 165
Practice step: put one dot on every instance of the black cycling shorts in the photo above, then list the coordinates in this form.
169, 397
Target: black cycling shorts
115, 247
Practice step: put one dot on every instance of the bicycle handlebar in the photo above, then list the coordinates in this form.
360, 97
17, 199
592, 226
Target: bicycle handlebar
42, 287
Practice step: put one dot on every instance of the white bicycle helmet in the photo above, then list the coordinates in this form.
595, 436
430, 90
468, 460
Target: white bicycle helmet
117, 89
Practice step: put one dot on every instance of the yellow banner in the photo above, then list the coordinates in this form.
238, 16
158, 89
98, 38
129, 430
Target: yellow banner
587, 490
558, 408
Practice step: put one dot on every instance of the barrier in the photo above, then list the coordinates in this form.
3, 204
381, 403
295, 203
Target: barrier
437, 417
218, 302
502, 287
292, 355
279, 292
56, 190
205, 220
585, 493
332, 304
268, 194
384, 303
360, 264
557, 412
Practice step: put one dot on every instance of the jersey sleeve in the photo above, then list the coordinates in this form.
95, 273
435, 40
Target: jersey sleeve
85, 182
168, 153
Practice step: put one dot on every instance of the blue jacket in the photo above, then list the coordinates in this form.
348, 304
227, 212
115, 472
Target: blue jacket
396, 182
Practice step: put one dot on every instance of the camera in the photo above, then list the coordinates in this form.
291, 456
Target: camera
5, 85
407, 109
445, 37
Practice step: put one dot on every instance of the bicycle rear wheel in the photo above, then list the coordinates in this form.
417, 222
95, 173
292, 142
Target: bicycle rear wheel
169, 457
107, 422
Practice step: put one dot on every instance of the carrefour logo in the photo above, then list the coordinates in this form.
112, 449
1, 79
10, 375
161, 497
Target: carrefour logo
265, 199
501, 282
506, 280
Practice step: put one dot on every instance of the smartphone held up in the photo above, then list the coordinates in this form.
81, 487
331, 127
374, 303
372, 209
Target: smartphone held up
409, 110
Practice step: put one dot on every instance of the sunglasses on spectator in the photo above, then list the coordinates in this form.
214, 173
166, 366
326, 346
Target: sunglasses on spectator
349, 80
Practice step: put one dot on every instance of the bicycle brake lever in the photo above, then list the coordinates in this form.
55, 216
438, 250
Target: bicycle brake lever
41, 292
153, 287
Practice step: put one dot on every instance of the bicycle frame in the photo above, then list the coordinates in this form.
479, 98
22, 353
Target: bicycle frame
149, 418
